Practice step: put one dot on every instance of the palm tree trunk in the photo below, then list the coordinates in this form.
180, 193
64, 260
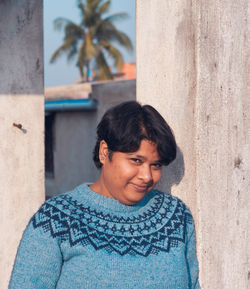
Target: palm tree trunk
88, 70
81, 72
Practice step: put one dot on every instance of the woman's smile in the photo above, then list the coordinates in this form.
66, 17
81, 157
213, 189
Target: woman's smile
141, 188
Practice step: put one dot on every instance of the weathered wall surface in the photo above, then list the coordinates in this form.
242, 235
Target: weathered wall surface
166, 78
192, 66
22, 103
75, 136
112, 93
223, 144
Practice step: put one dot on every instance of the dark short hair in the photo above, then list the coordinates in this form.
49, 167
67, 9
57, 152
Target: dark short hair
124, 126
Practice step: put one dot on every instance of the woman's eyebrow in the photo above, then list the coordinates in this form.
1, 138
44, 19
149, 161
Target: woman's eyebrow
142, 157
137, 156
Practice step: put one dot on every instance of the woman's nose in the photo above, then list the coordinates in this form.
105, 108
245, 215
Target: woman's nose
145, 173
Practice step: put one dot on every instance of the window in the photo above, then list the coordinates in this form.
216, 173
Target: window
49, 145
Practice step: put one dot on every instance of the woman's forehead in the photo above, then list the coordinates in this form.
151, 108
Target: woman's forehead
147, 149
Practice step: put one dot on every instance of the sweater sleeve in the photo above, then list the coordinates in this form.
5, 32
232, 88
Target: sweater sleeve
191, 258
38, 261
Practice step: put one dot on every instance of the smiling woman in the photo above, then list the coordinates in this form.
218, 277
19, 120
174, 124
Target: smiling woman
133, 143
128, 177
118, 232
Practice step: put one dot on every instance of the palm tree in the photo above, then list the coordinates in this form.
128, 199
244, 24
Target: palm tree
93, 39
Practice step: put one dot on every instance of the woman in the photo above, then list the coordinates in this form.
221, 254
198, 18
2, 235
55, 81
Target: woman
118, 232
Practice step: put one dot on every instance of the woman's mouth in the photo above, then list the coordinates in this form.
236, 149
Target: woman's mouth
140, 188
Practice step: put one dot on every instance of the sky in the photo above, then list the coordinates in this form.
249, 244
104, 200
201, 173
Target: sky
61, 72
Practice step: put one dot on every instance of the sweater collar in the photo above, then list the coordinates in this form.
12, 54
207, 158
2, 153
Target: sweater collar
86, 195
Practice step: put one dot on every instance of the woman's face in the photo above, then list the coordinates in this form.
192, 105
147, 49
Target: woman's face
128, 177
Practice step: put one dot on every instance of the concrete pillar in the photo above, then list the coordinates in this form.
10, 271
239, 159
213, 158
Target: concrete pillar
192, 66
22, 123
166, 78
223, 144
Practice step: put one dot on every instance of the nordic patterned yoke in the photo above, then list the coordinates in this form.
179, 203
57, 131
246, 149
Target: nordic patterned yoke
85, 240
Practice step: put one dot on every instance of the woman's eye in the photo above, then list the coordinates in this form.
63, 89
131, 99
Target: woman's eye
157, 166
137, 161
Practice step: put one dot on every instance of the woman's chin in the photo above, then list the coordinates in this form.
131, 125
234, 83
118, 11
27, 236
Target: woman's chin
134, 198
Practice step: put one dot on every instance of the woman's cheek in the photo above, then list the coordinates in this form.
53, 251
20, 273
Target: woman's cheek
157, 176
127, 170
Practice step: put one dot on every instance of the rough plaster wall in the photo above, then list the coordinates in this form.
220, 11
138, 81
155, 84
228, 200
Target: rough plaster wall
223, 144
166, 79
192, 66
21, 47
21, 172
21, 102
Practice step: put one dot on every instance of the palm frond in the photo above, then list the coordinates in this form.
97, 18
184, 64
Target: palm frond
72, 30
82, 58
93, 4
66, 47
91, 16
113, 52
82, 7
104, 71
116, 16
72, 35
60, 23
104, 8
123, 39
72, 53
107, 31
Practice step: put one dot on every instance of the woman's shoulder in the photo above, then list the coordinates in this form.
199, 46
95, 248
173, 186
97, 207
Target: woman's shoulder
54, 215
174, 213
68, 196
56, 208
170, 200
64, 200
171, 208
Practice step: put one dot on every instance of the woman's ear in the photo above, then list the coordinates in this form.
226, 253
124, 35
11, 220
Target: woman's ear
103, 151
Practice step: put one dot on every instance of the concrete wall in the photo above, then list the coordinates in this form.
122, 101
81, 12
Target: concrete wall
166, 78
75, 136
112, 93
192, 66
223, 144
21, 103
73, 143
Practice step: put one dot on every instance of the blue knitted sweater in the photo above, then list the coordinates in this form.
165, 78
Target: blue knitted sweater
82, 239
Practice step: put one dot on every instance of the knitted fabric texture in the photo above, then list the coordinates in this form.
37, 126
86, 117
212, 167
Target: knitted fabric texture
85, 240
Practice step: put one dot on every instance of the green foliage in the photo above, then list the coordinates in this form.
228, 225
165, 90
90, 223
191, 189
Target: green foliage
93, 40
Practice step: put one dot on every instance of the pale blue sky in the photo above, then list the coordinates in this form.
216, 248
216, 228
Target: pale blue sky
63, 72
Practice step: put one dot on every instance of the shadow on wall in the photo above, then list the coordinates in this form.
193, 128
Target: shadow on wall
173, 173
